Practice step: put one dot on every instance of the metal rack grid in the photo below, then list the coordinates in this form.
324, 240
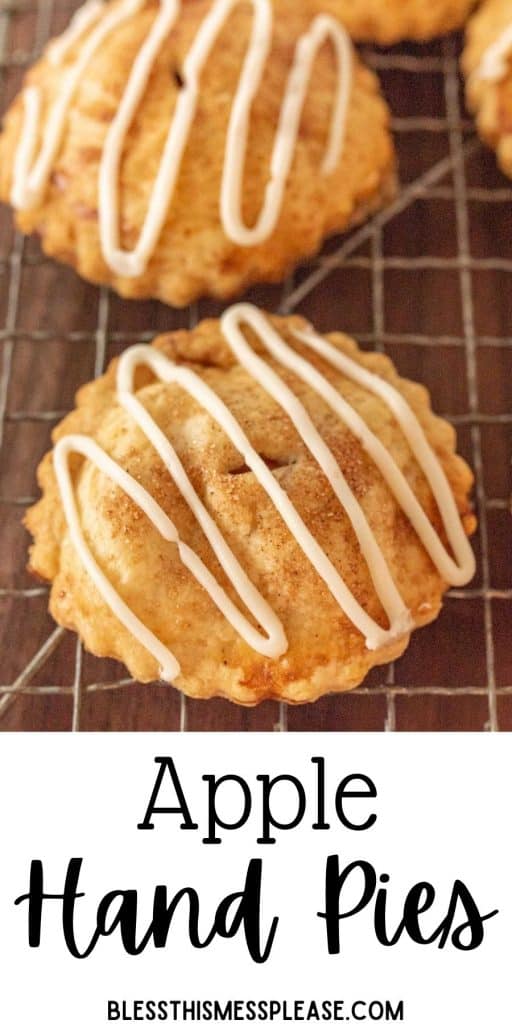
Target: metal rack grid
385, 700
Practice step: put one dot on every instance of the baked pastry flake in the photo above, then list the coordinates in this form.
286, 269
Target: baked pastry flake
179, 148
251, 510
487, 65
392, 21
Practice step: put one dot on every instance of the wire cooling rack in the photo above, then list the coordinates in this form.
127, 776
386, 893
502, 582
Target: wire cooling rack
428, 281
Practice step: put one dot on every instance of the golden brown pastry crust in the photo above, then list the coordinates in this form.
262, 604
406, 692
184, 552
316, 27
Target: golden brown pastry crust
491, 102
326, 652
194, 257
390, 21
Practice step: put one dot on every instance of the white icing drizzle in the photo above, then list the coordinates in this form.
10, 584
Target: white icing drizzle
494, 63
31, 178
271, 647
457, 573
82, 20
31, 173
274, 644
322, 29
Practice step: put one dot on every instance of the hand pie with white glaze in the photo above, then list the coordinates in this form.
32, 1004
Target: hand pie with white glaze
487, 65
390, 21
179, 148
251, 510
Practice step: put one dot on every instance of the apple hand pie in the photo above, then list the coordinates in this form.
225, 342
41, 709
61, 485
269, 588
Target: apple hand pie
180, 148
251, 510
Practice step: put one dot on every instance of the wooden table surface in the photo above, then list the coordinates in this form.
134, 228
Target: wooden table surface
430, 283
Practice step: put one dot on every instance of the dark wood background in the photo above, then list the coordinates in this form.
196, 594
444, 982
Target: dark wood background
430, 283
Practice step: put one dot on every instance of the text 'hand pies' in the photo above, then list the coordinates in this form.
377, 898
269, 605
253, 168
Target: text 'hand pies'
251, 510
174, 149
487, 64
390, 21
